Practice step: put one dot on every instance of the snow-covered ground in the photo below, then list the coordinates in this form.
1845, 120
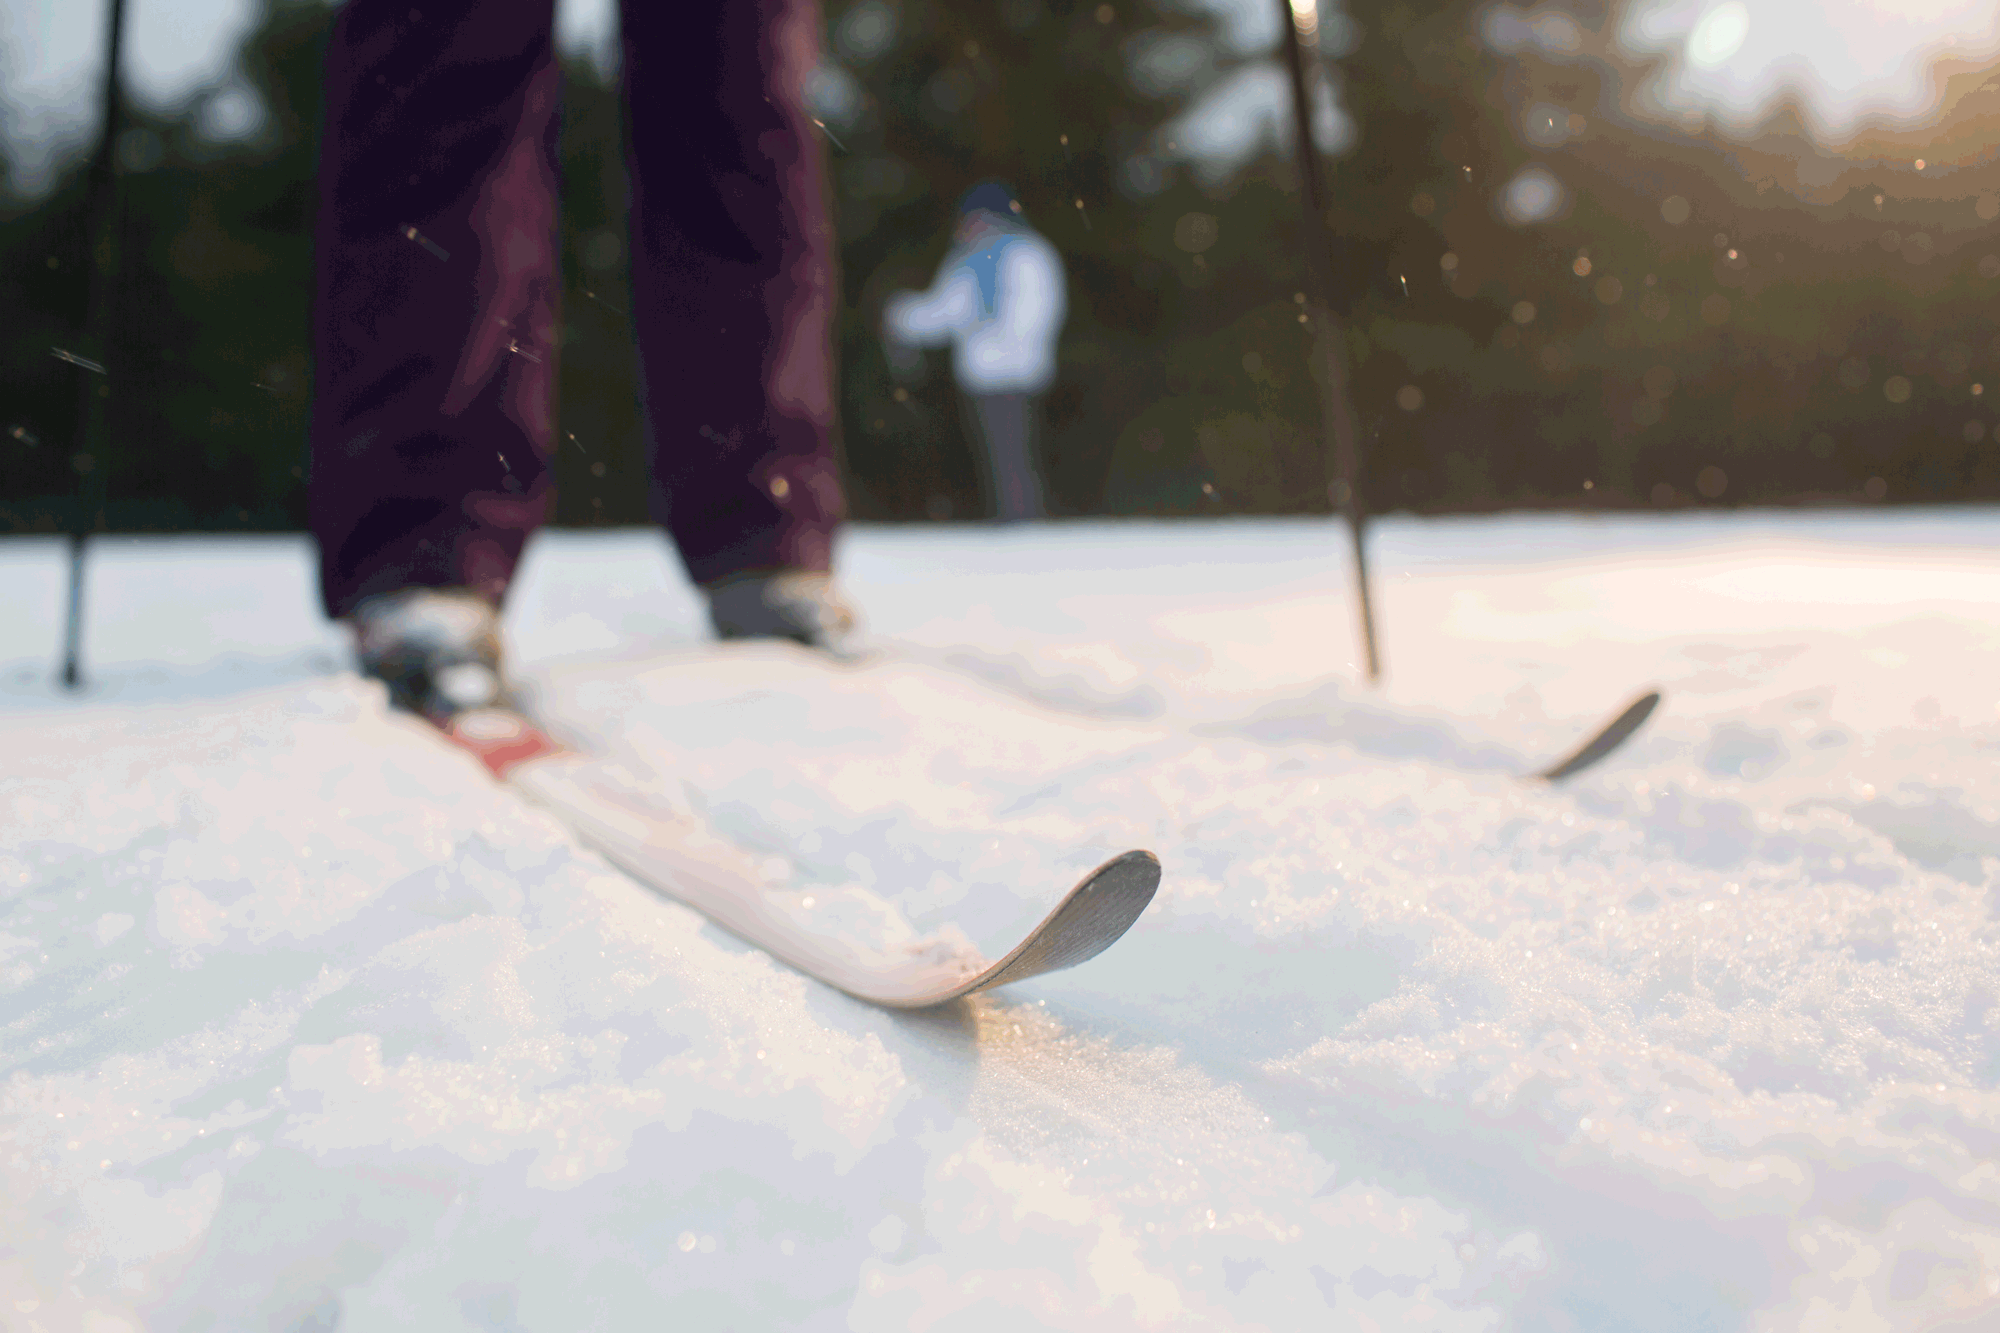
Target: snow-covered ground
306, 1024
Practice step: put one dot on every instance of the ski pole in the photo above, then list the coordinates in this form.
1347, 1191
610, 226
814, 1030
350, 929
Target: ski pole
101, 212
1336, 412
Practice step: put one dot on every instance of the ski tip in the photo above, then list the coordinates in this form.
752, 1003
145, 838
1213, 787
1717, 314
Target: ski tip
1090, 919
1612, 735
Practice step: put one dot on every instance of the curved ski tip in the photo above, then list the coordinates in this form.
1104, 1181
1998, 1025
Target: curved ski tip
1090, 919
1613, 734
1134, 876
1138, 859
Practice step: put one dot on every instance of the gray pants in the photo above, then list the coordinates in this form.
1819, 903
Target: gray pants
1005, 428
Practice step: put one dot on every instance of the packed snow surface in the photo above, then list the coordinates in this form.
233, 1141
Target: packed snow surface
306, 1023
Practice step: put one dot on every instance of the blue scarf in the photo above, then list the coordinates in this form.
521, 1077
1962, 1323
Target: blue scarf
985, 265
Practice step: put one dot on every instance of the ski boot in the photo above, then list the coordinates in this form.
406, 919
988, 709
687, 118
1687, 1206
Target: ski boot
796, 604
437, 649
438, 652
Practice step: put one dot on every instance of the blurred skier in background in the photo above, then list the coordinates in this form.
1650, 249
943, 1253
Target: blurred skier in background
999, 300
436, 324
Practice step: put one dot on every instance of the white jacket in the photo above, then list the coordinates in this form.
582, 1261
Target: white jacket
1000, 301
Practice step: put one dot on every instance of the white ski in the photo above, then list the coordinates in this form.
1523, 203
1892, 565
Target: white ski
671, 850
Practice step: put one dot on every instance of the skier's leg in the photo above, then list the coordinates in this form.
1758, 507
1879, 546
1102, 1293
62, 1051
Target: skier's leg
1031, 456
435, 324
972, 425
733, 276
1006, 429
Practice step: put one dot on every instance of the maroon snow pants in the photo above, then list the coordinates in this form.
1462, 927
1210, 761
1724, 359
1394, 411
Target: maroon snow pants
436, 325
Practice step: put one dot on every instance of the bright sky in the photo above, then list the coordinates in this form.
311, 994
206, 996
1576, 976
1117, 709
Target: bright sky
1853, 59
51, 52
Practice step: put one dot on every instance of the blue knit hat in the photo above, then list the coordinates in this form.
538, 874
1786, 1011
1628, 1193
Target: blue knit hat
989, 197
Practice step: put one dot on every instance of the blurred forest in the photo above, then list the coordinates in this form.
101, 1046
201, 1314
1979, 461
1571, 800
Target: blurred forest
1690, 321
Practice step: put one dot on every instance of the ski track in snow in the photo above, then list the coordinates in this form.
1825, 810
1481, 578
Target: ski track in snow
304, 1024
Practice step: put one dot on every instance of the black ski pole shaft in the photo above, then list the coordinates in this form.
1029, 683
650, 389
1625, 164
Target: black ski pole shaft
101, 261
1336, 411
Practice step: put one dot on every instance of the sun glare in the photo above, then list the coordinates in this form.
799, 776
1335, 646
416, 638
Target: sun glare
1847, 64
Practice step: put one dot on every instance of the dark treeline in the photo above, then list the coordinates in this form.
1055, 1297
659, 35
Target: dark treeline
1699, 322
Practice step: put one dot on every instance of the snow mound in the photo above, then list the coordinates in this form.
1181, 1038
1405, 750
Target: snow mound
306, 1024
